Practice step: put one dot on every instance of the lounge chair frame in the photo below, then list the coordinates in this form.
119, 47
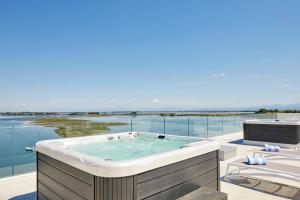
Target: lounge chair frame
277, 154
265, 171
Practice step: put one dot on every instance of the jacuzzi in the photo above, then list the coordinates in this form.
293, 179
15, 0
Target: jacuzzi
130, 166
285, 133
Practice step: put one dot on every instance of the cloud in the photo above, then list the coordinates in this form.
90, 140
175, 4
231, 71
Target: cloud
52, 102
219, 74
25, 105
155, 101
258, 75
298, 95
119, 102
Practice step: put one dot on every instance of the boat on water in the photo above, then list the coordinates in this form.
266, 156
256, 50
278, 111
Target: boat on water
29, 148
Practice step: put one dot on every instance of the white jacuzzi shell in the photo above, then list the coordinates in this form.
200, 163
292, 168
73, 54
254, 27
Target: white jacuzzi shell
60, 149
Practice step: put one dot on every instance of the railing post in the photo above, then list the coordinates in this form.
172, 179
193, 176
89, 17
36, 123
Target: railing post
12, 151
233, 123
206, 126
222, 125
188, 126
83, 128
131, 124
164, 125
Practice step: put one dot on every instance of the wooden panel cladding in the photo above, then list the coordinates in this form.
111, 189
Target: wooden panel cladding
57, 180
204, 193
277, 133
172, 181
115, 188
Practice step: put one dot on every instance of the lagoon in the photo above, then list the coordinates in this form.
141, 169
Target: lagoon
16, 133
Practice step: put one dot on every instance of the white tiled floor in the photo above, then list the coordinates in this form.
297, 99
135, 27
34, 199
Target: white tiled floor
17, 185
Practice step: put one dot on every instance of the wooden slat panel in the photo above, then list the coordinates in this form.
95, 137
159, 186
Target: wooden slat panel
119, 180
218, 171
114, 188
48, 194
76, 185
59, 189
288, 134
124, 189
102, 188
185, 187
204, 193
175, 167
129, 188
162, 183
105, 188
86, 177
41, 196
97, 192
110, 188
134, 187
99, 189
212, 185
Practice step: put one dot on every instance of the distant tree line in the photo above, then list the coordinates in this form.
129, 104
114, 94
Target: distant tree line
265, 111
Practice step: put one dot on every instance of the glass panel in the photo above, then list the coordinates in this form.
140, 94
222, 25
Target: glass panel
24, 139
177, 126
238, 123
153, 124
228, 124
215, 126
126, 120
198, 127
5, 148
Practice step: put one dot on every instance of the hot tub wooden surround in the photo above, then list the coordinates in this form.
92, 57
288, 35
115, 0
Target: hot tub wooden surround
58, 180
273, 132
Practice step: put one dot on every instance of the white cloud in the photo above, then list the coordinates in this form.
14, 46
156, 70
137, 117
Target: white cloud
298, 95
119, 102
219, 74
258, 75
25, 105
52, 102
155, 101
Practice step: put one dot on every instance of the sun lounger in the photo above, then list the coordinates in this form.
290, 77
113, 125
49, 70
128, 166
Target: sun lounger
297, 147
293, 155
270, 169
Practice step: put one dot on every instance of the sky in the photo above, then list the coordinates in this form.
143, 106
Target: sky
76, 55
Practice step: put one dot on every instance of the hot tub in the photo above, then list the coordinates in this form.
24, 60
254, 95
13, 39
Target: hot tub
128, 166
285, 133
